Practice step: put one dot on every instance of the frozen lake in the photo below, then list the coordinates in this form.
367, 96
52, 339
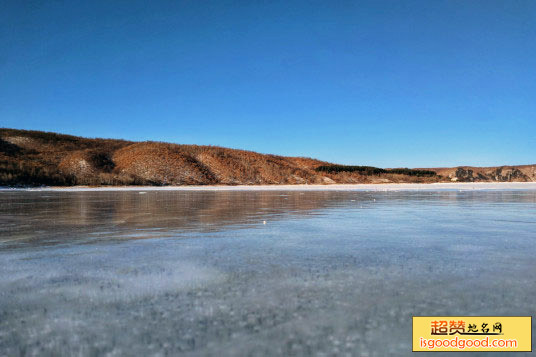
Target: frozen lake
273, 272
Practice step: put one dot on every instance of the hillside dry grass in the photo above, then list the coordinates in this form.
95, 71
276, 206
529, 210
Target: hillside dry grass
30, 158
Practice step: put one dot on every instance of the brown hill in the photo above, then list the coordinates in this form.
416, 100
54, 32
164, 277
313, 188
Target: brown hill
41, 158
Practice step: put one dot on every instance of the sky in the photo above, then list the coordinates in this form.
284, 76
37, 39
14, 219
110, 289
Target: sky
382, 83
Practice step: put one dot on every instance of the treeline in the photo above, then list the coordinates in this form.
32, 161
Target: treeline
412, 172
21, 174
370, 170
363, 170
25, 174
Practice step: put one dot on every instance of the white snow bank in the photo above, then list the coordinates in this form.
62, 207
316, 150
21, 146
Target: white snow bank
335, 187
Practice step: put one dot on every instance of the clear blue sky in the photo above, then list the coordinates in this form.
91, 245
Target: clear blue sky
383, 83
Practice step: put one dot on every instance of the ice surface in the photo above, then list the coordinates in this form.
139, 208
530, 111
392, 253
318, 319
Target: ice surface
199, 273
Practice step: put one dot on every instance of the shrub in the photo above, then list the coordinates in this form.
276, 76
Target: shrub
370, 170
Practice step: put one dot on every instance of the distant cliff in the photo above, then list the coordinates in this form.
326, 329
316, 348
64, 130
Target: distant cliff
522, 173
30, 158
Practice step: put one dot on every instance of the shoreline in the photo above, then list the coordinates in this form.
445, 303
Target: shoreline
464, 186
